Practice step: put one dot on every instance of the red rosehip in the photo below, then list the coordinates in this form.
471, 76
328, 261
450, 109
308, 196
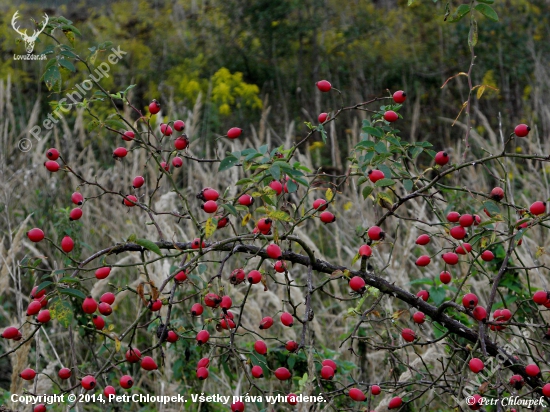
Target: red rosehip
155, 305
324, 86
323, 117
10, 332
202, 337
479, 313
226, 303
254, 277
476, 365
277, 186
532, 370
453, 217
89, 305
130, 201
181, 276
172, 336
99, 322
148, 364
487, 255
399, 96
320, 204
179, 125
546, 390
375, 233
260, 347
375, 390
237, 406
128, 135
291, 346
327, 217
423, 260
203, 363
280, 266
466, 220
120, 152
126, 381
138, 182
64, 373
44, 316
458, 232
35, 235
264, 224
52, 166
476, 401
133, 355
257, 371
75, 214
365, 250
177, 162
423, 240
210, 206
419, 317
408, 335
274, 251
538, 208
441, 158
67, 244
517, 382
522, 130
357, 395
105, 309
375, 175
445, 277
395, 403
154, 107
109, 390
196, 244
246, 200
52, 154
450, 258
28, 374
283, 374
103, 272
327, 373
424, 295
197, 309
222, 221
464, 248
181, 143
88, 382
33, 308
108, 298
390, 116
287, 319
470, 301
497, 194
357, 283
234, 132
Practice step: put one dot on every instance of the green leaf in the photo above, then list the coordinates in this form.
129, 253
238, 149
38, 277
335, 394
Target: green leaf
373, 131
486, 1
230, 208
69, 54
439, 330
63, 310
68, 279
408, 184
491, 207
386, 170
92, 125
291, 186
70, 27
49, 49
115, 124
228, 163
149, 245
460, 12
380, 147
422, 281
415, 152
75, 293
67, 64
437, 294
384, 182
275, 171
43, 286
52, 76
367, 190
487, 11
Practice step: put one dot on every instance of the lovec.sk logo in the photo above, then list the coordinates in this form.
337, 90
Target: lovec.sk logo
29, 40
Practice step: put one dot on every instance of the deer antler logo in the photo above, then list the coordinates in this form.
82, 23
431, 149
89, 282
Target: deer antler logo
29, 40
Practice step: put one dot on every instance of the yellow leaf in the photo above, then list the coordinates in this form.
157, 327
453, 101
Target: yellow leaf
399, 313
279, 215
355, 259
111, 327
117, 345
256, 194
247, 217
480, 91
210, 228
346, 273
539, 252
329, 194
348, 206
275, 234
